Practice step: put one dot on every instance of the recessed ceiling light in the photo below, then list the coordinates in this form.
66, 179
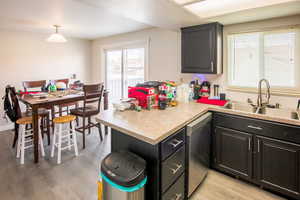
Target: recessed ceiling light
212, 8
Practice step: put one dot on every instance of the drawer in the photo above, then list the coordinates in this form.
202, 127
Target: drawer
259, 127
172, 143
176, 191
172, 168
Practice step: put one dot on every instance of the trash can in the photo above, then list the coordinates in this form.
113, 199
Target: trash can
124, 176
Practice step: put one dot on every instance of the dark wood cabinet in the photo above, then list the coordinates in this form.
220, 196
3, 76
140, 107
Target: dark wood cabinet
278, 165
201, 49
272, 159
233, 152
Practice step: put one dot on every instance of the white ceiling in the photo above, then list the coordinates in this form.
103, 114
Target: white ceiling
98, 18
77, 19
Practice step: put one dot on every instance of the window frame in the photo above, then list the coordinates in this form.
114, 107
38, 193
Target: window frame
277, 90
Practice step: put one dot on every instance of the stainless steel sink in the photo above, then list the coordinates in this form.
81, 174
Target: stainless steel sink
244, 107
274, 112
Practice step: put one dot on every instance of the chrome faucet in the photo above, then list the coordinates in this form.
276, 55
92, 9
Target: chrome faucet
260, 103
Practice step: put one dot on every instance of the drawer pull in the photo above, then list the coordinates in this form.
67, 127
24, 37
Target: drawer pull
175, 143
249, 144
255, 127
178, 167
177, 196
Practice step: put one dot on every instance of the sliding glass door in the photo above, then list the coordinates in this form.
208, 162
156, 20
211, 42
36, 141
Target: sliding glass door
124, 67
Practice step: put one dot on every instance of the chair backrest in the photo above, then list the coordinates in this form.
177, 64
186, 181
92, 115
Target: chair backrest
66, 81
13, 102
93, 94
33, 84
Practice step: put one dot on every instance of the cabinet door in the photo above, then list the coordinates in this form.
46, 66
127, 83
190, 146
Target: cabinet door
278, 165
198, 49
233, 152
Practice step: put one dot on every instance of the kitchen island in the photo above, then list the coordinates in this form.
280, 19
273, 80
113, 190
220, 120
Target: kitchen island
159, 136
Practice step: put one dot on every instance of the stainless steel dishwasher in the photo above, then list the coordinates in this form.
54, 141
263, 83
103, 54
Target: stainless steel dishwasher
198, 145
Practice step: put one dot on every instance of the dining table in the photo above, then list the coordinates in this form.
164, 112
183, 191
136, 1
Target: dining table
46, 100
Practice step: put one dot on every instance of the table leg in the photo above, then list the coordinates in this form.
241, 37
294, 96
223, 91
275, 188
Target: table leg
35, 121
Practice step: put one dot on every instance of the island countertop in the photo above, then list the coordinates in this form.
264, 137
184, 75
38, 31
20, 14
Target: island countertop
155, 125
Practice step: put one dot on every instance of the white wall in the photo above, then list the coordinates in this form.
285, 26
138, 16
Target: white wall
163, 62
165, 55
27, 56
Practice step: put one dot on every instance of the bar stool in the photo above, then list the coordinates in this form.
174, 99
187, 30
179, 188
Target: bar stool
60, 135
25, 137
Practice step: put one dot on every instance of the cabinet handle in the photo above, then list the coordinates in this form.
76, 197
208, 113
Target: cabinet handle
174, 143
178, 167
255, 127
249, 144
212, 66
177, 196
258, 146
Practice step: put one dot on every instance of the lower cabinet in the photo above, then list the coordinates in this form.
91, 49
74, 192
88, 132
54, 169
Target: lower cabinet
233, 152
267, 158
278, 165
176, 192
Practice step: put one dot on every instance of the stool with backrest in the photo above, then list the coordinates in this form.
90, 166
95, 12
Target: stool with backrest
44, 114
25, 139
66, 107
27, 85
64, 136
91, 107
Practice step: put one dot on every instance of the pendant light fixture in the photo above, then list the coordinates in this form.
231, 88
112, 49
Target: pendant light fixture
56, 37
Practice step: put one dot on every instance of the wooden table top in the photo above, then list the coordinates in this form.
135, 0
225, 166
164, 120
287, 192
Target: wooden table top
53, 97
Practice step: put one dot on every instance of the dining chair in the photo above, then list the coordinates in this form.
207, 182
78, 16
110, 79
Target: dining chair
91, 107
28, 85
33, 84
43, 114
66, 107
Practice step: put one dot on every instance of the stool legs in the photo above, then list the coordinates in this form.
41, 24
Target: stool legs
59, 144
21, 146
53, 142
74, 139
69, 137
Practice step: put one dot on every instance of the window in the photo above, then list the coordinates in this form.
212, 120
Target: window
124, 67
270, 55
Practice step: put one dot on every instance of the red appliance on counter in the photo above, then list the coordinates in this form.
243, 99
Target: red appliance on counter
142, 94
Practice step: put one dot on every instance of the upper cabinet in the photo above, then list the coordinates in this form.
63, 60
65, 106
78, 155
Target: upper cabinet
201, 49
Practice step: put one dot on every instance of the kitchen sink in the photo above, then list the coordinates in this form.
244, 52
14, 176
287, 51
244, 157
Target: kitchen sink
276, 112
244, 107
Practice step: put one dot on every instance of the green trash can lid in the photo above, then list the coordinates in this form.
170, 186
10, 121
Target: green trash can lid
124, 168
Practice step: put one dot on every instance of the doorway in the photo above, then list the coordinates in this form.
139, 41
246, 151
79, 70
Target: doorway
124, 67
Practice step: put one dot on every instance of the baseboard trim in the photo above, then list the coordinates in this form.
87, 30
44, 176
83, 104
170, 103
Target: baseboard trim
7, 127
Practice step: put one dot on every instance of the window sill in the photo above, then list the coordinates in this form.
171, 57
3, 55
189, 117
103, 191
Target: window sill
277, 92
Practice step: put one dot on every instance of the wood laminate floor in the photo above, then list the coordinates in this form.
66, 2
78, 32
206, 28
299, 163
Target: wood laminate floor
76, 177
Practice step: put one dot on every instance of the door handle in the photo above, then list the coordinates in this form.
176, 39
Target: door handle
177, 196
175, 143
255, 127
212, 66
178, 167
258, 146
